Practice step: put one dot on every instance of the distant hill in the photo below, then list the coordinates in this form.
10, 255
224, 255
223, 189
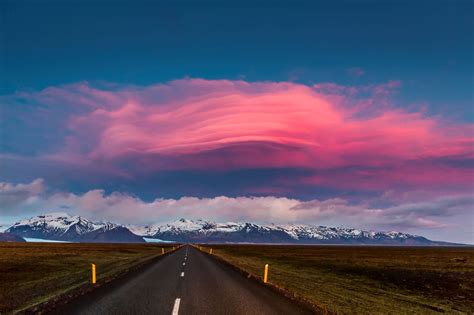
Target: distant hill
7, 237
64, 227
197, 231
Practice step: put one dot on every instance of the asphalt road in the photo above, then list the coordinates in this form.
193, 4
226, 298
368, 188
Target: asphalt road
184, 282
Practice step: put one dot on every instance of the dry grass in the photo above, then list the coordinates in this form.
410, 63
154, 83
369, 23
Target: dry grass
363, 280
32, 273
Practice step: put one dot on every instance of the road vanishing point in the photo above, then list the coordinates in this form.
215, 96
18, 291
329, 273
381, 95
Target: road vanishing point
186, 281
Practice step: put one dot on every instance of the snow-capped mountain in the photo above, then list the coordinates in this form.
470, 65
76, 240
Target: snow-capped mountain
64, 227
183, 225
184, 230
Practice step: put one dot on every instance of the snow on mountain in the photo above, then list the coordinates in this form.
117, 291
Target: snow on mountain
301, 231
65, 227
59, 223
186, 230
184, 225
147, 230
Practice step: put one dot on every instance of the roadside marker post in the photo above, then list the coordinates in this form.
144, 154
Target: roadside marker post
210, 251
265, 275
162, 251
93, 274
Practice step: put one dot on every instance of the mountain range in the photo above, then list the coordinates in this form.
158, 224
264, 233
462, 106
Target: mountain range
65, 227
201, 231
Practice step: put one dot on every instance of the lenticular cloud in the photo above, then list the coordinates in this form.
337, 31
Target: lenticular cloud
201, 124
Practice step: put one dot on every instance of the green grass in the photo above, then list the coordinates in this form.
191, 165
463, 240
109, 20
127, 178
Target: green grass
366, 279
32, 273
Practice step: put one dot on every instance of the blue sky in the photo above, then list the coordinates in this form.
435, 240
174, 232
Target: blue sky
425, 44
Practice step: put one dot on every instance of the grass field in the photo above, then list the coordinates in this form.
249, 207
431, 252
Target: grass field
32, 273
365, 280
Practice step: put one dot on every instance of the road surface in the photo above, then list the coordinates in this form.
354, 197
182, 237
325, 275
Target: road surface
184, 282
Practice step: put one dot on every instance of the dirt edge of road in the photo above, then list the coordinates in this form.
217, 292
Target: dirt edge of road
282, 291
62, 299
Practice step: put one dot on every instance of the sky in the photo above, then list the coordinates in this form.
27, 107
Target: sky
342, 113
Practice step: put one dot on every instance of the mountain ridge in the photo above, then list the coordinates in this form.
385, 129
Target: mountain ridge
65, 227
194, 231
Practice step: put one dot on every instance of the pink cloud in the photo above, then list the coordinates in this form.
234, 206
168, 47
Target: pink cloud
222, 124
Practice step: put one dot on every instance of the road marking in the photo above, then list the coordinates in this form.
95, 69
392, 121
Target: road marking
182, 274
184, 264
176, 306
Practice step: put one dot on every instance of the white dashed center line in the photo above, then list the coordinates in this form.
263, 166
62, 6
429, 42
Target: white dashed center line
182, 274
176, 306
184, 264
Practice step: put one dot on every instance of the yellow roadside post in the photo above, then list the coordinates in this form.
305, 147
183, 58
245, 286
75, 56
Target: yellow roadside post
93, 274
210, 251
162, 251
265, 275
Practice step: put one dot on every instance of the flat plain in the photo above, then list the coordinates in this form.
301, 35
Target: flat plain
365, 279
31, 273
334, 279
